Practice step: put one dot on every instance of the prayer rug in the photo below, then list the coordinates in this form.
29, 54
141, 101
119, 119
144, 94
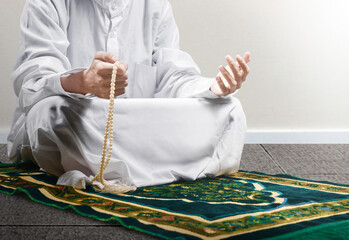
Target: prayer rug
246, 205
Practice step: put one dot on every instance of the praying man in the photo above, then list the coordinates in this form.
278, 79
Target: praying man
171, 123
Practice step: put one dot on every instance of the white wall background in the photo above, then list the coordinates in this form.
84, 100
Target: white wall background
299, 82
10, 12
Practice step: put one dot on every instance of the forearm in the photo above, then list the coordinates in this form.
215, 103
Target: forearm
179, 76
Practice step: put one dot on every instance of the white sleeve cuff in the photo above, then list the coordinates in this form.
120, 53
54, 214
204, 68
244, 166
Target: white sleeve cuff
203, 89
35, 90
205, 92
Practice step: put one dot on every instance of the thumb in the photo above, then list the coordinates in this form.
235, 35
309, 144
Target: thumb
106, 57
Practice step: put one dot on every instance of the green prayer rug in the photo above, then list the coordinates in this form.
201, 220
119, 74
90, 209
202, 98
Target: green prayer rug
246, 205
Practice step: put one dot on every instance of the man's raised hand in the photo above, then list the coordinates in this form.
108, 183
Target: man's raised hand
230, 78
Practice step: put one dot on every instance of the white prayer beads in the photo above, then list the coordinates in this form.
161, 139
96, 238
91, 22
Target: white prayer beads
108, 137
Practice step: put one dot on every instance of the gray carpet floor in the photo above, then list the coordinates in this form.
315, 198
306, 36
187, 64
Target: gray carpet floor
22, 218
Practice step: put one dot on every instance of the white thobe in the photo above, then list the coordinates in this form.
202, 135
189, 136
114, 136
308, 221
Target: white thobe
59, 38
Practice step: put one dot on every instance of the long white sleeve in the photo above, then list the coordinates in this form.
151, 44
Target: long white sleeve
41, 59
177, 73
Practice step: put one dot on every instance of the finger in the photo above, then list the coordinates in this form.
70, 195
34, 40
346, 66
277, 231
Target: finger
106, 57
117, 92
244, 67
122, 69
247, 57
119, 81
241, 73
222, 86
122, 78
103, 68
239, 81
120, 91
121, 84
227, 76
234, 68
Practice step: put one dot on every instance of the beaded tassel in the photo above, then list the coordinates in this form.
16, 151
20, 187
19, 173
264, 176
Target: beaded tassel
108, 138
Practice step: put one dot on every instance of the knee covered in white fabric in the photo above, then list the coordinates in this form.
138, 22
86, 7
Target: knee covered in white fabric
41, 122
45, 110
44, 117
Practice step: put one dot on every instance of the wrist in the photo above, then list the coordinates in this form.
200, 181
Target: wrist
213, 92
74, 83
82, 83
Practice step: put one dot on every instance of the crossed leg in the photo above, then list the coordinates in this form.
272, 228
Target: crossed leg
156, 141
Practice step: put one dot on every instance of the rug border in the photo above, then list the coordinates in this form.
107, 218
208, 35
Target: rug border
292, 177
20, 189
292, 235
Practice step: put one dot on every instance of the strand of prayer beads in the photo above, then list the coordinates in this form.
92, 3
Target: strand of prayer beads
108, 140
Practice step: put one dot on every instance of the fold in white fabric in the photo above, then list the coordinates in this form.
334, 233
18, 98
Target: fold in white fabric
76, 179
79, 180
